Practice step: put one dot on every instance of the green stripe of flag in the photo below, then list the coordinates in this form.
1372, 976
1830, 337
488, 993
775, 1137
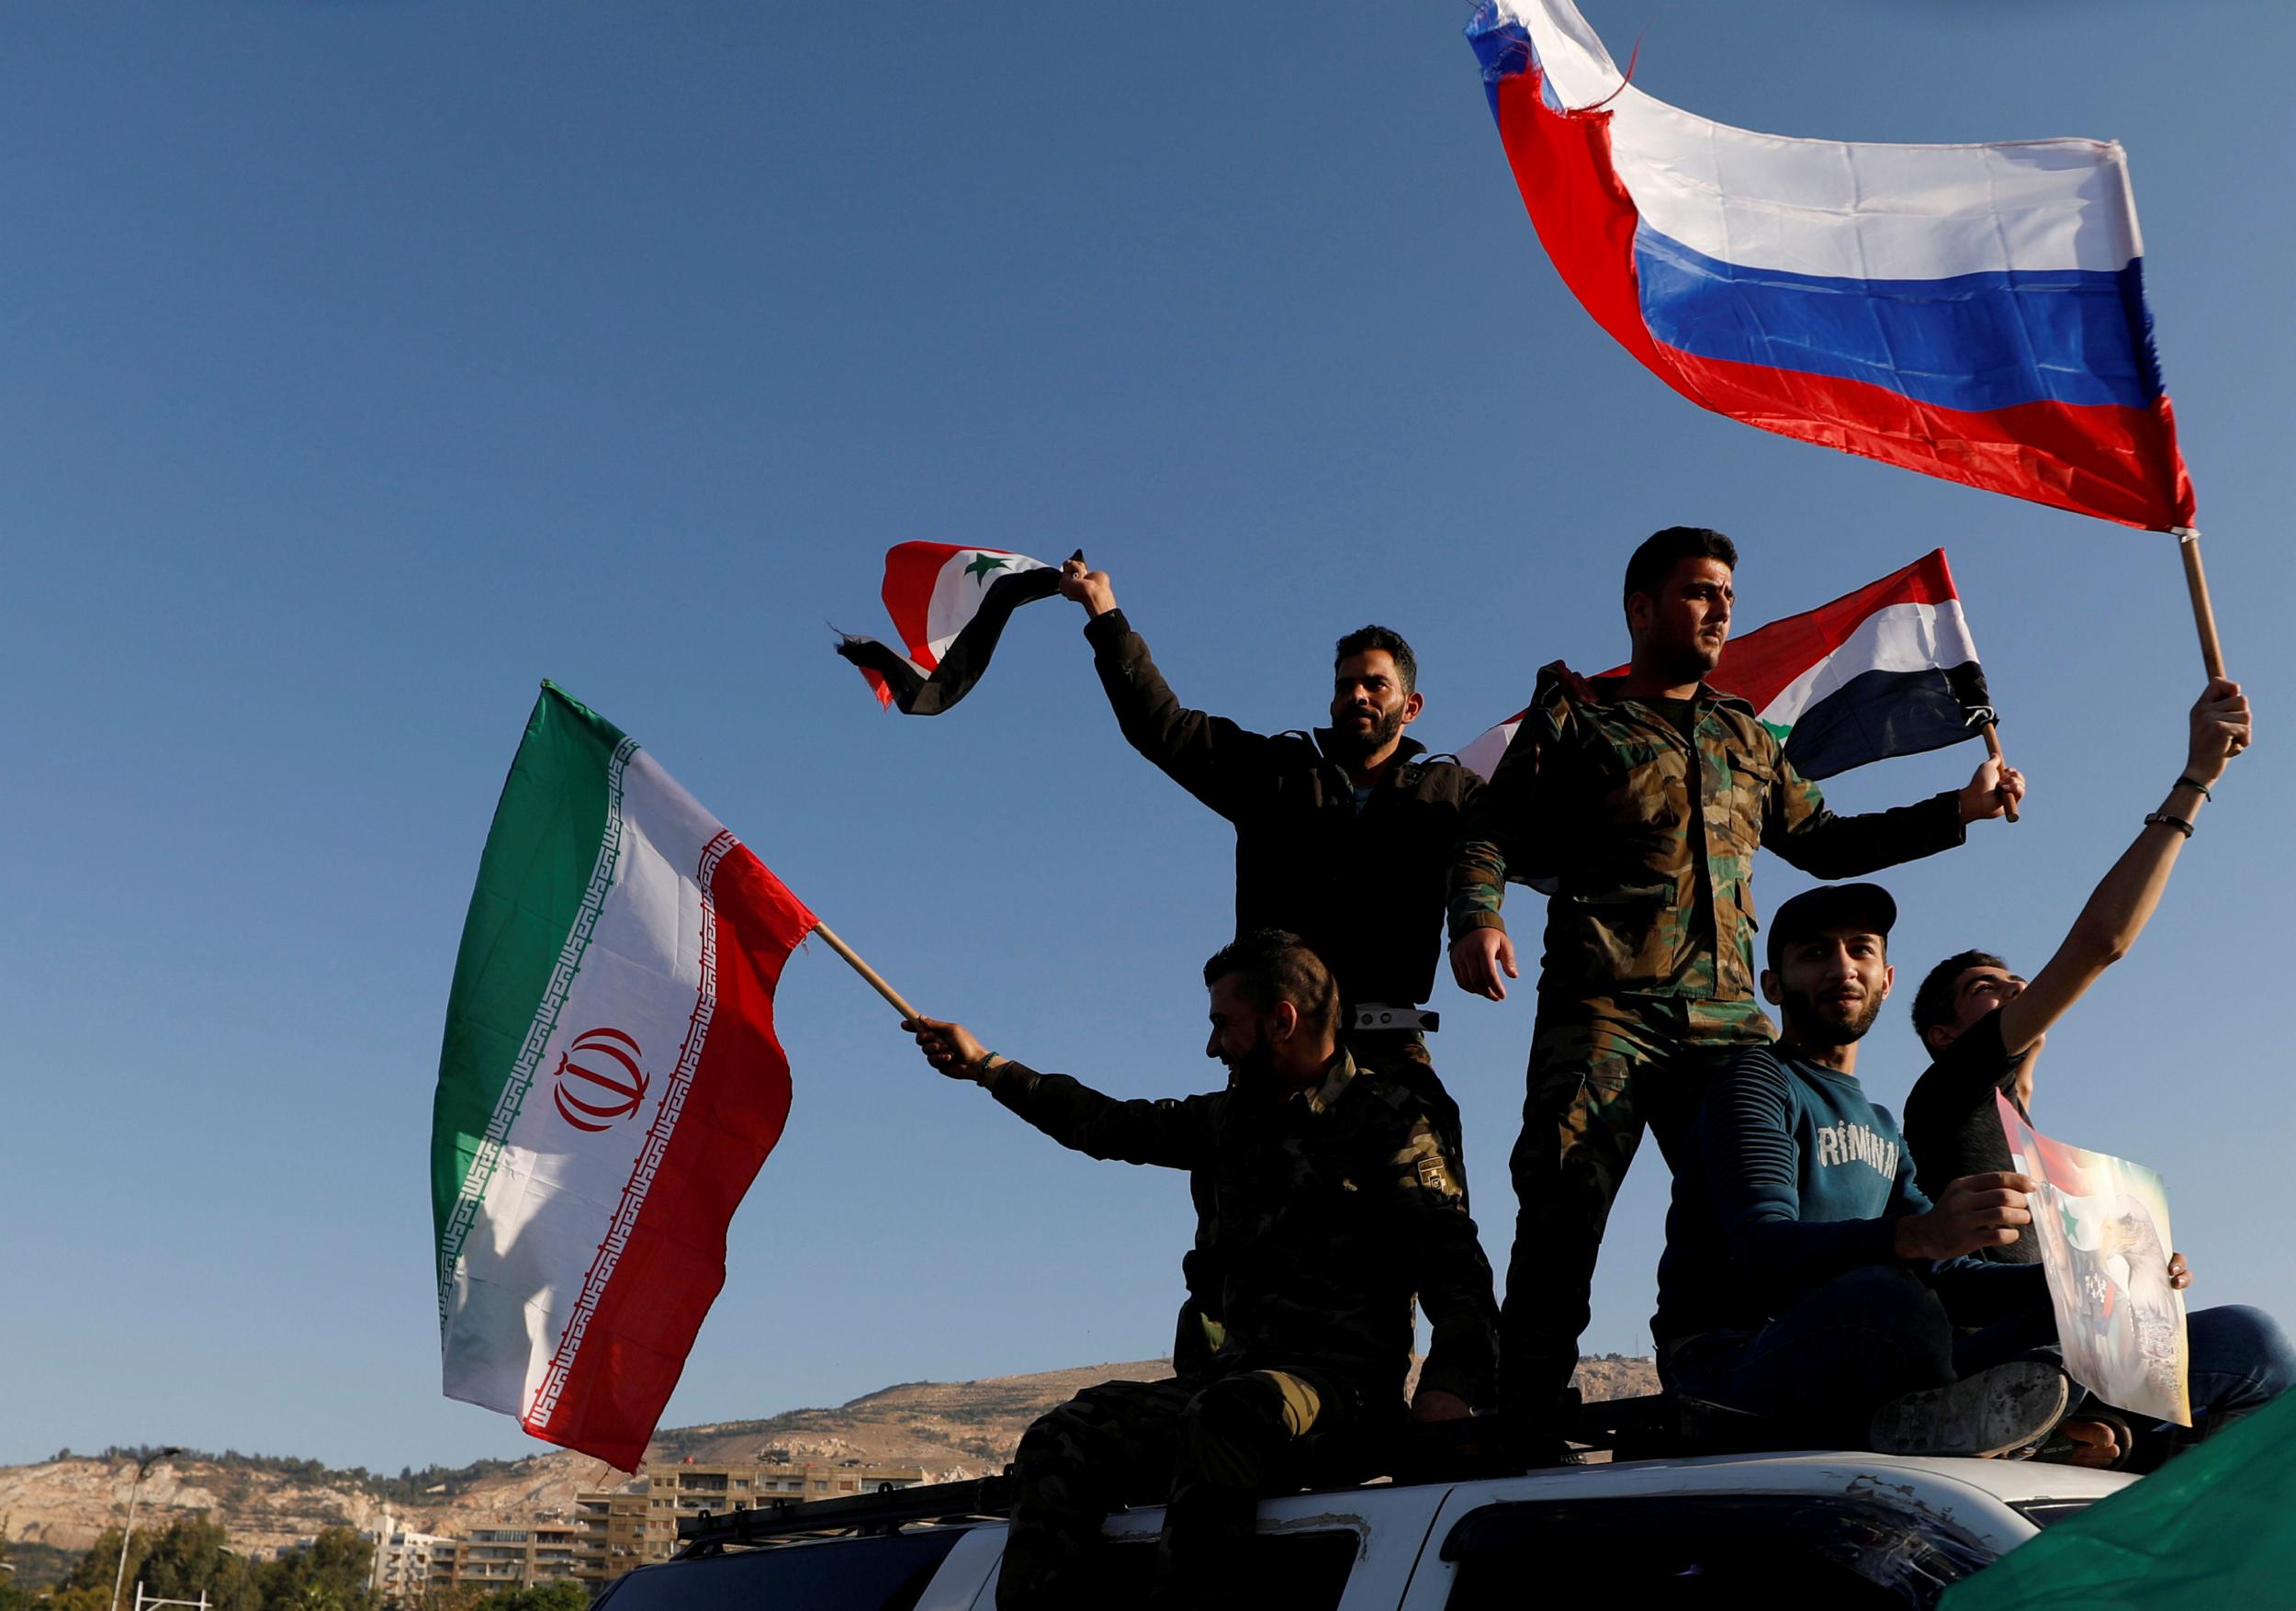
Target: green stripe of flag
546, 859
2212, 1530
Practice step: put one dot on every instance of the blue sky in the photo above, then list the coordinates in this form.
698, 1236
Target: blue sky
366, 362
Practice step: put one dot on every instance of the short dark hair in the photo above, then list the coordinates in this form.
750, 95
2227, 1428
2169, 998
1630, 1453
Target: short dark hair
1363, 639
1934, 1003
1271, 965
1648, 570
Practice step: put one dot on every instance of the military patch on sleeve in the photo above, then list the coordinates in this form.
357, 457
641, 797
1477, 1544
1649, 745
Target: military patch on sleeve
1433, 1175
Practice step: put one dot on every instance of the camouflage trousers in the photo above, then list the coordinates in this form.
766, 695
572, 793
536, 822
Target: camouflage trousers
1602, 1070
1209, 1448
1398, 1055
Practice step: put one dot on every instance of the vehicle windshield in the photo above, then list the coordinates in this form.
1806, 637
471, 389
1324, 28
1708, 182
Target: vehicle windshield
829, 1574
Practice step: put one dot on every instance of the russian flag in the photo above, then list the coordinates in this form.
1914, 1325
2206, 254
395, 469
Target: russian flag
1888, 669
1974, 312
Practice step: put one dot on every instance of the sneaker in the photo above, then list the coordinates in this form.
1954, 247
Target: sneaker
1991, 1413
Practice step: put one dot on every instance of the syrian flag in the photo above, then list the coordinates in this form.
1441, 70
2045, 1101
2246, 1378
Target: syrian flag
950, 605
1888, 669
608, 1085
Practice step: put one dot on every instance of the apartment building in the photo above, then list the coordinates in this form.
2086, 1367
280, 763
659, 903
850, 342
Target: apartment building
494, 1557
407, 1562
637, 1524
610, 1530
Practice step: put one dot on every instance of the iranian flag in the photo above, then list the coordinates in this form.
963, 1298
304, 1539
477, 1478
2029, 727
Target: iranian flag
950, 605
608, 1085
1888, 669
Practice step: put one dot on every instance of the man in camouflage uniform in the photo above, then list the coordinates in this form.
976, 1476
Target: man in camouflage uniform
1336, 1199
1644, 795
1344, 836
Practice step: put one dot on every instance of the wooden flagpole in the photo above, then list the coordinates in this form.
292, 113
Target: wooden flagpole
1993, 748
876, 980
2196, 582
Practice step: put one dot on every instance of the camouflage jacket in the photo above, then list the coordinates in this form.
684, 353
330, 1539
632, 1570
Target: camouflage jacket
1649, 840
1326, 1209
1363, 888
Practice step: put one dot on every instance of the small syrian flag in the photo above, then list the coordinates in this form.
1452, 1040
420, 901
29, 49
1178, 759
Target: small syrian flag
1888, 669
950, 605
608, 1085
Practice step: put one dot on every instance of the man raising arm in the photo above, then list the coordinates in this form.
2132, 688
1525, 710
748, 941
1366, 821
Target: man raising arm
1343, 836
1646, 796
1983, 1025
1334, 1199
1808, 1280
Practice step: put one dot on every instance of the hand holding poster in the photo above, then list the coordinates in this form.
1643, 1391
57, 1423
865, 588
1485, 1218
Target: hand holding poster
2102, 1224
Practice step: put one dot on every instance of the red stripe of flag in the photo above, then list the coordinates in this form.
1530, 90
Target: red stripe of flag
1759, 666
672, 1264
2110, 462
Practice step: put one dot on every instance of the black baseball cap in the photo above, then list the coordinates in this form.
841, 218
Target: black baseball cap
1829, 906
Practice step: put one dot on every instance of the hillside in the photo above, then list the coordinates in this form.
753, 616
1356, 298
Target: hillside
952, 1429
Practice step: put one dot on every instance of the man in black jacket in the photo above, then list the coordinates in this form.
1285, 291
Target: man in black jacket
1344, 836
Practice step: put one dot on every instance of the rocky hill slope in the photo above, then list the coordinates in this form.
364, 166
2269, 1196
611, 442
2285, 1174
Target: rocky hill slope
951, 1429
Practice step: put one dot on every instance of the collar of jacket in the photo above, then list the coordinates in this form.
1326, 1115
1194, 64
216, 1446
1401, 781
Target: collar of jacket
1407, 750
1320, 1098
1707, 693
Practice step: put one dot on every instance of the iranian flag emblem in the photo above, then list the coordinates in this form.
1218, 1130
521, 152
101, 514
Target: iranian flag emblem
609, 1086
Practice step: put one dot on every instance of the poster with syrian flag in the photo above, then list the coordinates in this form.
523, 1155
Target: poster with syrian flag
950, 606
609, 1084
2102, 1224
1972, 311
1889, 670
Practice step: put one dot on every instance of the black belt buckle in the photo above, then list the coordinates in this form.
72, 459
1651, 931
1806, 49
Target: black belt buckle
1378, 1015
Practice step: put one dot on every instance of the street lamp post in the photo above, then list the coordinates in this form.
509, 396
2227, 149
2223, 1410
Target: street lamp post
143, 1467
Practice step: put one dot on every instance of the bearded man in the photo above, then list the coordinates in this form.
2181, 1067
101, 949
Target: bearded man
1645, 796
1344, 838
1810, 1282
1338, 1200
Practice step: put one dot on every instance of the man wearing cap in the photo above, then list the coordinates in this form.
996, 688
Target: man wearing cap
1808, 1280
1645, 796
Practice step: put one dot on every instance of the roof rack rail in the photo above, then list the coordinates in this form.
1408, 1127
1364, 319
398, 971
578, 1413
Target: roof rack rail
707, 1534
1632, 1428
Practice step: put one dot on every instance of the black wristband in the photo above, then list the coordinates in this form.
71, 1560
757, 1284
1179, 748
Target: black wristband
2189, 782
2164, 820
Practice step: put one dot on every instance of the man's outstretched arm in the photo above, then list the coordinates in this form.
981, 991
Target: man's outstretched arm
1805, 833
1172, 1133
2123, 903
1208, 756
